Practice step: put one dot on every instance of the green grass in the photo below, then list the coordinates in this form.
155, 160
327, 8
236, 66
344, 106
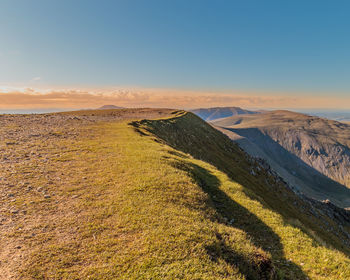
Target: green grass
146, 210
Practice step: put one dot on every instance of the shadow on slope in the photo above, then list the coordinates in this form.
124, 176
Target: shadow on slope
313, 183
191, 135
233, 214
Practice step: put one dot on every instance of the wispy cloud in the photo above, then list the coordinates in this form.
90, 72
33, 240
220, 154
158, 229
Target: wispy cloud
35, 79
18, 98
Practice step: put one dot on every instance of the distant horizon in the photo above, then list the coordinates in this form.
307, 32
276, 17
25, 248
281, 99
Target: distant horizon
27, 98
300, 110
316, 111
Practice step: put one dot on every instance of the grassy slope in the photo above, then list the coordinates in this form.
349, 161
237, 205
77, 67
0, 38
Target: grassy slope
262, 206
134, 208
140, 217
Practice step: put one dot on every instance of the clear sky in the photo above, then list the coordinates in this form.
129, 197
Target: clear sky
239, 47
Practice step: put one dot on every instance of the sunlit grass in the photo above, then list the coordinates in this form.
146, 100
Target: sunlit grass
136, 208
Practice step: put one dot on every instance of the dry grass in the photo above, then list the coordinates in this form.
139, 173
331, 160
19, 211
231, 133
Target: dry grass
110, 200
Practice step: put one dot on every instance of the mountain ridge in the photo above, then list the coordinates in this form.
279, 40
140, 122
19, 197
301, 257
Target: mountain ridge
306, 147
209, 114
153, 194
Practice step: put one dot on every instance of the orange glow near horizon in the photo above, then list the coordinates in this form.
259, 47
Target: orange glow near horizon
28, 98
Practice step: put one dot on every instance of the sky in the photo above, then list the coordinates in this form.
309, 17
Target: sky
183, 53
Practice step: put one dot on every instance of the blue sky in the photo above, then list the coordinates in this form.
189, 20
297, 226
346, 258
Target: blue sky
287, 47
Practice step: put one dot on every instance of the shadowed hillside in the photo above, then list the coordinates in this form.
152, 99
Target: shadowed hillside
311, 153
213, 147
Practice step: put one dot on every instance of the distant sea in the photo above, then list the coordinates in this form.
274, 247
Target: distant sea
337, 115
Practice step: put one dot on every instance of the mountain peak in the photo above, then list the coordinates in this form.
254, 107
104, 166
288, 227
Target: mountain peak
108, 107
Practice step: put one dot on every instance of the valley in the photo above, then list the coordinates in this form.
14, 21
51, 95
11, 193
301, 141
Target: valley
312, 154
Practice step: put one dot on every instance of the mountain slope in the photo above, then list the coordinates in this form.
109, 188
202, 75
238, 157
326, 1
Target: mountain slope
262, 187
110, 196
209, 114
311, 153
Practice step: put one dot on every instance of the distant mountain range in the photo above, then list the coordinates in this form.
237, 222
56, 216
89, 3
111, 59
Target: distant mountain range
108, 107
209, 114
312, 154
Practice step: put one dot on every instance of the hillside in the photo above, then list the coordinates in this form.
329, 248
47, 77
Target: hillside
153, 194
311, 153
209, 114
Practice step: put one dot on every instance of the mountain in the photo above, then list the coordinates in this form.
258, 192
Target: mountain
311, 153
209, 114
153, 194
108, 107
